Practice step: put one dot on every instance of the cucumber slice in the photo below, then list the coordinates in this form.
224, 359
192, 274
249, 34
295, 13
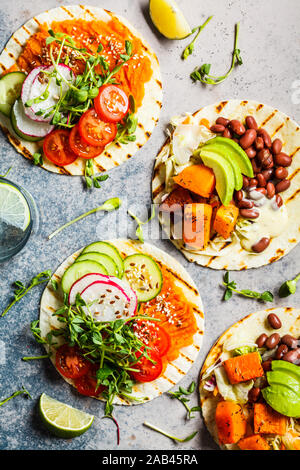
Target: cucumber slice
144, 276
101, 258
10, 90
79, 269
107, 249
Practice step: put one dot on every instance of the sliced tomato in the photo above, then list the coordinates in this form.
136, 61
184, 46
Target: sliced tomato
80, 147
57, 149
94, 130
111, 103
87, 384
70, 363
153, 335
148, 370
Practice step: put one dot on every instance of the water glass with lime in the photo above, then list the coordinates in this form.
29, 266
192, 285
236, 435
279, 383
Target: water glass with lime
18, 216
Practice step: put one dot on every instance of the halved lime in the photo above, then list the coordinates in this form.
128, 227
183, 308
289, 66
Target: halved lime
14, 208
169, 19
63, 420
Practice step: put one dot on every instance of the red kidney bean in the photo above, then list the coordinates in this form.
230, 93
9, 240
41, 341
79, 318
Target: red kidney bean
279, 200
290, 341
253, 394
253, 182
245, 204
251, 123
227, 133
282, 159
261, 245
266, 138
267, 174
217, 128
246, 182
264, 157
261, 340
292, 356
248, 138
261, 180
249, 213
238, 195
281, 173
274, 321
276, 146
259, 143
267, 365
269, 165
281, 351
255, 166
251, 152
272, 341
237, 127
283, 185
270, 190
223, 121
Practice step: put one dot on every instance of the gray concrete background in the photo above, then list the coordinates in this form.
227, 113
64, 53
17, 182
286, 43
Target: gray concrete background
269, 43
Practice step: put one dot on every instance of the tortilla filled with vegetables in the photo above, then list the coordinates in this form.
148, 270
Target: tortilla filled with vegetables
78, 83
227, 183
125, 324
250, 383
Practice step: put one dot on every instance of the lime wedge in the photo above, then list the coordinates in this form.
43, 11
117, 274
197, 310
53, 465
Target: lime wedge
14, 209
63, 420
169, 19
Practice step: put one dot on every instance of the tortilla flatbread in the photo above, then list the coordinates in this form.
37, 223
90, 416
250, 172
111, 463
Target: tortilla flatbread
229, 254
175, 371
147, 114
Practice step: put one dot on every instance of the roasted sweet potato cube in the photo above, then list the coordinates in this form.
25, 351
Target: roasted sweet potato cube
243, 368
225, 220
230, 421
197, 178
176, 200
254, 442
196, 225
268, 421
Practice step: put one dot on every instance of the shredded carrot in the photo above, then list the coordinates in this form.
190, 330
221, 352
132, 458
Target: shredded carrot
175, 312
89, 34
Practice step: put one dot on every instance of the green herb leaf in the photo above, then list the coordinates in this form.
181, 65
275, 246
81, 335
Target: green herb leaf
266, 296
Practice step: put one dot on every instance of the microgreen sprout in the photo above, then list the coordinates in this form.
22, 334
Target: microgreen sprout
90, 179
139, 230
23, 391
108, 206
174, 438
181, 395
289, 287
202, 74
190, 48
266, 296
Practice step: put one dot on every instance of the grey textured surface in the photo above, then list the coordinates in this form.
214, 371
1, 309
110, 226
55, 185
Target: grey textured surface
269, 43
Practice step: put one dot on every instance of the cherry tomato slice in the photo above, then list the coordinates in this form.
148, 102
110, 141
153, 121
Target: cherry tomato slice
70, 363
94, 131
86, 385
80, 147
153, 335
148, 370
57, 149
111, 103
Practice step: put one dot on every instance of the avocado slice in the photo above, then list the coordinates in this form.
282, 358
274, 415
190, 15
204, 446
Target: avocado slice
236, 152
229, 154
283, 400
287, 367
284, 379
225, 179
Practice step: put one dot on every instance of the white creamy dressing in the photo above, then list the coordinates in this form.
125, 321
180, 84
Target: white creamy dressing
271, 222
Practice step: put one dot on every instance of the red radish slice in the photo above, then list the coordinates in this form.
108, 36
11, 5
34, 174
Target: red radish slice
108, 301
28, 126
26, 89
81, 284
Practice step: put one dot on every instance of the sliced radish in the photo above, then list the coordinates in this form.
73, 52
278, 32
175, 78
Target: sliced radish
26, 89
28, 126
38, 86
108, 301
81, 284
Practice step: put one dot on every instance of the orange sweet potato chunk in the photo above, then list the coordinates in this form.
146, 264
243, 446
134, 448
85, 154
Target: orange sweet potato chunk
225, 220
254, 442
176, 200
268, 421
197, 178
243, 368
230, 421
196, 224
